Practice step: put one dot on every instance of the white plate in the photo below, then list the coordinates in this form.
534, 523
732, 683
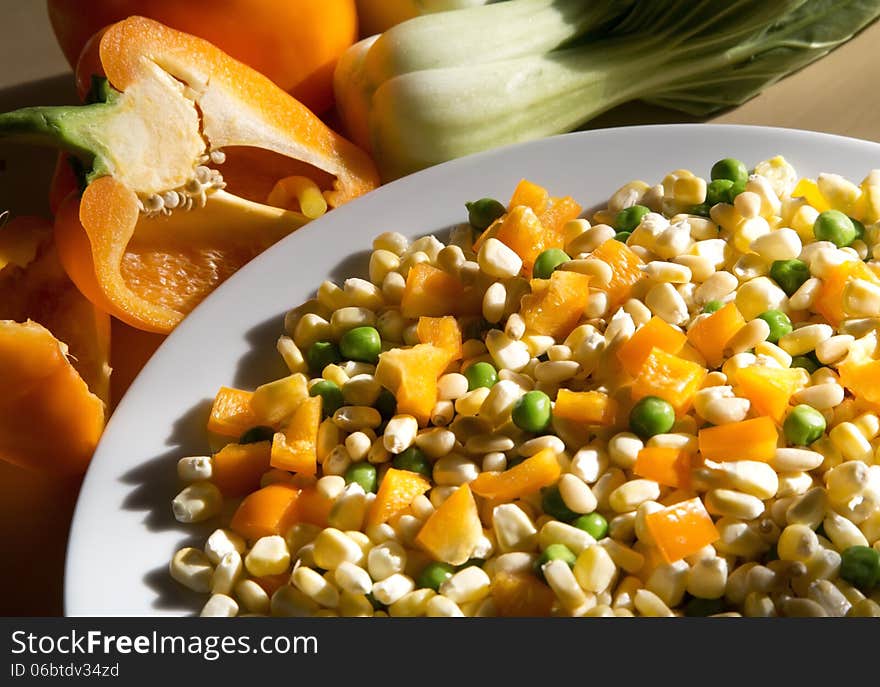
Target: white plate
123, 533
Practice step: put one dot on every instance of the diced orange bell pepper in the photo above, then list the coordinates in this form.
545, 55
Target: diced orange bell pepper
530, 195
656, 332
397, 491
411, 375
625, 270
267, 511
237, 468
295, 449
231, 414
313, 507
768, 389
521, 231
673, 379
521, 595
431, 292
442, 332
453, 531
862, 379
557, 308
128, 242
753, 439
681, 529
533, 474
711, 334
556, 215
829, 300
587, 407
665, 465
808, 189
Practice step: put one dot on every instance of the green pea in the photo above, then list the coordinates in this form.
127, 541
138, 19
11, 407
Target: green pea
255, 435
805, 362
622, 236
860, 566
731, 169
413, 460
629, 218
834, 226
481, 375
779, 323
713, 306
548, 261
531, 411
554, 552
593, 524
719, 191
386, 404
362, 344
362, 473
651, 415
331, 396
554, 506
435, 574
703, 608
789, 274
321, 354
803, 426
482, 212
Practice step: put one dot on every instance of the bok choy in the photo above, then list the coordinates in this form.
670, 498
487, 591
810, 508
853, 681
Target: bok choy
442, 86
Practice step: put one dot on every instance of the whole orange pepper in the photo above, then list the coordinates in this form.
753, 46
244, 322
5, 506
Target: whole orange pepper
296, 43
154, 230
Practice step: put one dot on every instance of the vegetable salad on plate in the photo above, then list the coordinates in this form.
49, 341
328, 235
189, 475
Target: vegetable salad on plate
671, 408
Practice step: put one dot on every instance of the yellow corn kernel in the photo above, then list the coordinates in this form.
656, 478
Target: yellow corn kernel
689, 190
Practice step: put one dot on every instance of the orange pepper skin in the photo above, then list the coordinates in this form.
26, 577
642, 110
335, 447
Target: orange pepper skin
296, 43
753, 439
682, 529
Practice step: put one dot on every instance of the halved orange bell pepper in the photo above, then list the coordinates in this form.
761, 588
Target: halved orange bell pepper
753, 439
711, 334
154, 231
533, 474
397, 491
294, 42
442, 332
556, 305
411, 375
54, 348
586, 407
237, 468
673, 379
625, 270
453, 531
656, 332
665, 465
768, 389
682, 529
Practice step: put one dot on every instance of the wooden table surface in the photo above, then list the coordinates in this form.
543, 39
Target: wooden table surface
837, 94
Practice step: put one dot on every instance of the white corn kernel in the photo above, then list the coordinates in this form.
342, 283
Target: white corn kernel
488, 443
451, 386
800, 459
555, 371
494, 301
733, 503
252, 597
443, 607
386, 559
469, 584
623, 449
589, 463
442, 413
314, 586
861, 298
716, 287
820, 396
805, 339
589, 240
851, 443
435, 442
708, 578
535, 445
197, 502
227, 573
507, 353
666, 303
514, 530
673, 273
555, 532
749, 336
332, 547
650, 605
797, 543
842, 532
737, 538
497, 260
352, 578
400, 433
595, 569
222, 542
412, 605
268, 556
598, 271
576, 495
471, 402
564, 584
393, 588
782, 244
628, 496
357, 445
454, 470
833, 349
219, 606
669, 582
191, 568
759, 295
194, 469
749, 476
